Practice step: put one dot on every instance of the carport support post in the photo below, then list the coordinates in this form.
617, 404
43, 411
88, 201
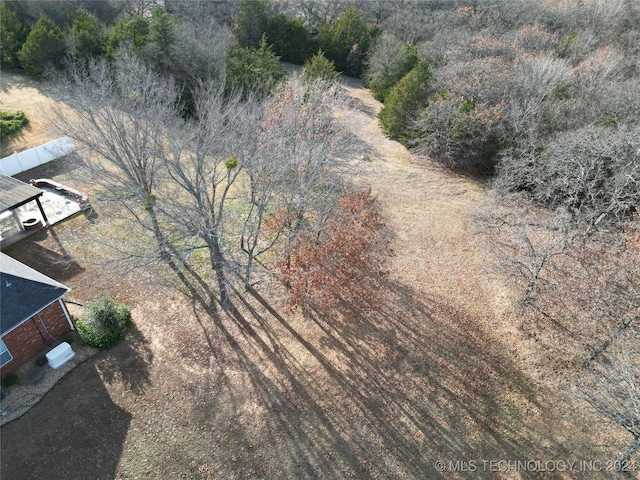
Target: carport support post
44, 215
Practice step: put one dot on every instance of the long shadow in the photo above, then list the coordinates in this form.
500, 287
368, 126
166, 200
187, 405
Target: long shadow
60, 266
425, 381
55, 441
128, 362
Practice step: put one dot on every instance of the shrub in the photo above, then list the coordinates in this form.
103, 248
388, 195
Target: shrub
12, 35
289, 38
461, 134
11, 123
254, 69
347, 41
10, 379
251, 22
131, 33
405, 101
105, 323
593, 172
161, 31
389, 60
321, 67
84, 40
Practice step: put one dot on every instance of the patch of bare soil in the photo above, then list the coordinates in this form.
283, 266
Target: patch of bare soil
439, 373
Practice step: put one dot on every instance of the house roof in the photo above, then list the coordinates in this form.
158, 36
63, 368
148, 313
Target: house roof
14, 193
24, 292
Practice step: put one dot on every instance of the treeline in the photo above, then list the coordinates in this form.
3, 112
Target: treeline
521, 91
241, 42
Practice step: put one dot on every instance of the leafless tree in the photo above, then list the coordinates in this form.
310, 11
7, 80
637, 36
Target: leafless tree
142, 8
594, 173
119, 116
613, 391
242, 161
581, 287
119, 119
210, 181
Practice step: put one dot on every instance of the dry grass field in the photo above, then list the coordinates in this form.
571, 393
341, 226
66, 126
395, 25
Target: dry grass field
442, 372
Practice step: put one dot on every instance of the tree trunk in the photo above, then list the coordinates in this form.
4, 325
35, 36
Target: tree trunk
218, 263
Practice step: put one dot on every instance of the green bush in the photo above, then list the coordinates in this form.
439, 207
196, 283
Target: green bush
129, 33
289, 38
12, 35
105, 323
85, 38
11, 123
405, 101
321, 67
10, 379
389, 60
347, 41
254, 69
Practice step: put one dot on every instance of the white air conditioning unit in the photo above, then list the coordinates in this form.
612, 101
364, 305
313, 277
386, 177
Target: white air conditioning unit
60, 355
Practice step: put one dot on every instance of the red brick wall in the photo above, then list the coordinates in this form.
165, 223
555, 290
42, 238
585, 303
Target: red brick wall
31, 338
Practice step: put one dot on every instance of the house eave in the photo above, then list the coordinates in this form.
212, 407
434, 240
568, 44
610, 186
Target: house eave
22, 322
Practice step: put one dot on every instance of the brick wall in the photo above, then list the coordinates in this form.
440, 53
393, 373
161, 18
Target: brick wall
31, 338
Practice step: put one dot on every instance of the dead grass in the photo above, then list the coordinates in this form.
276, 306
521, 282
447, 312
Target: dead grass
440, 372
19, 92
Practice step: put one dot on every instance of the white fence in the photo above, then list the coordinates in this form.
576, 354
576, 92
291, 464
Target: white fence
19, 162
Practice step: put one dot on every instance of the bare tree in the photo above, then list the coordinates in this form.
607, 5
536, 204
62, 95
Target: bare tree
140, 8
208, 182
120, 117
613, 391
244, 159
204, 160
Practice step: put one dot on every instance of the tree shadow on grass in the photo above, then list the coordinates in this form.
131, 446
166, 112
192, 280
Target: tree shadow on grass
59, 265
128, 362
386, 393
75, 432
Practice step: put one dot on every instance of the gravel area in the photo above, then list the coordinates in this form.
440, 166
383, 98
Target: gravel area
36, 381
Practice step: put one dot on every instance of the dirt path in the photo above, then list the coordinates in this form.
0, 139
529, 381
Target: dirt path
441, 253
431, 210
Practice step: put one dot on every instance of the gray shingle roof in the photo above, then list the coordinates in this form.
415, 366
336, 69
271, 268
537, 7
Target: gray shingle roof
14, 193
23, 292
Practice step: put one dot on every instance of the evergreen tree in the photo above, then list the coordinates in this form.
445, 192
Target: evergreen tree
12, 35
405, 100
257, 69
161, 31
389, 60
253, 18
44, 45
131, 32
85, 36
321, 67
347, 41
289, 38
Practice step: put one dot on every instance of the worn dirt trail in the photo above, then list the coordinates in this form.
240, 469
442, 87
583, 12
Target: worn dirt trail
431, 211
